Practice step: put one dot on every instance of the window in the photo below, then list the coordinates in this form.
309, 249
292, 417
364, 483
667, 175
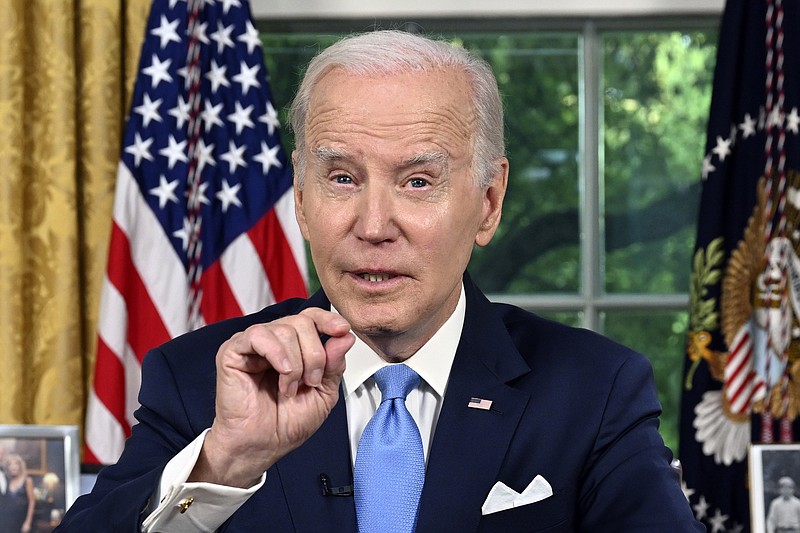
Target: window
605, 124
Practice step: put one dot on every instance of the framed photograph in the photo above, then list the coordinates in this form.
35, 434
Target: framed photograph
774, 487
39, 475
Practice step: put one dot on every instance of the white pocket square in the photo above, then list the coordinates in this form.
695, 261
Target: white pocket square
501, 497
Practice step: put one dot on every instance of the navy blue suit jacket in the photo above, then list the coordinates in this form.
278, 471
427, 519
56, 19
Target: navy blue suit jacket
568, 404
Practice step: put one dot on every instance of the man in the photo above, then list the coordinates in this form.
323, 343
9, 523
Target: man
784, 511
521, 424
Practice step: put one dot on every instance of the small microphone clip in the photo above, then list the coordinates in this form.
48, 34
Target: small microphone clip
327, 490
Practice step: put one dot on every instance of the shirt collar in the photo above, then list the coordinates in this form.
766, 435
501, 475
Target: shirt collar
432, 361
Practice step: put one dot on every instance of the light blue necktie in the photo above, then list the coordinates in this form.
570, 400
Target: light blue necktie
390, 465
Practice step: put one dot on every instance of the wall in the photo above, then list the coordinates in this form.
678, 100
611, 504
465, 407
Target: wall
275, 9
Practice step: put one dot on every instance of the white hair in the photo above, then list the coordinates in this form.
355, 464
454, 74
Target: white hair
393, 51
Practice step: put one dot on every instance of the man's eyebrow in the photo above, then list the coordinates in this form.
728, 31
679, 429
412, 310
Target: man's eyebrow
440, 158
326, 153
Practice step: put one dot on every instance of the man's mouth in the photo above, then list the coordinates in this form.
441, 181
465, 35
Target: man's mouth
376, 277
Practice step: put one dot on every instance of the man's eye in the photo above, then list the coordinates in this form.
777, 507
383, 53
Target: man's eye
417, 182
342, 179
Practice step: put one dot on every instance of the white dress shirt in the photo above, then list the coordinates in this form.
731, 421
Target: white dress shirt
209, 505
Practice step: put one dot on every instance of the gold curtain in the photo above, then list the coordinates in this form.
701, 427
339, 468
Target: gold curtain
66, 73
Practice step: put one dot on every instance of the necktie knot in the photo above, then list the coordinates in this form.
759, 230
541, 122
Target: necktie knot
396, 381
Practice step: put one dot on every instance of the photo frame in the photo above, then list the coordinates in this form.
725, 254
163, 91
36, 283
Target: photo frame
770, 466
50, 457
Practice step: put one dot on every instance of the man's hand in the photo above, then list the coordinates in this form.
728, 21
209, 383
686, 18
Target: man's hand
276, 384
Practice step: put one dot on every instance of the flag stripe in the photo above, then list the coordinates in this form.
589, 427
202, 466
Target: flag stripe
150, 330
285, 211
242, 264
105, 436
218, 300
109, 379
276, 257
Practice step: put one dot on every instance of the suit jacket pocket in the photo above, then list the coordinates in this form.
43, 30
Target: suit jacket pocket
552, 514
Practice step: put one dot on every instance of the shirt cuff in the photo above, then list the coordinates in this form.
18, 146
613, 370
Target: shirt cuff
197, 506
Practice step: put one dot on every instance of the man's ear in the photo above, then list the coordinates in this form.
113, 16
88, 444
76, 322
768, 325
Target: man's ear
299, 212
493, 197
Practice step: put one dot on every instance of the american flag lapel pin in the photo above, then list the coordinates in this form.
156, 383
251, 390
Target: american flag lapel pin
480, 403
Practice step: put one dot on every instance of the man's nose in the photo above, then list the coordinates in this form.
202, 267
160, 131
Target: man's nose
376, 214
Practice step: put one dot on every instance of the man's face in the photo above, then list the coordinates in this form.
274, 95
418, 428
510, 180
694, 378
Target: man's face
389, 202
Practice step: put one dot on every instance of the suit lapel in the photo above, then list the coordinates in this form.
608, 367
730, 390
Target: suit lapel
469, 444
326, 452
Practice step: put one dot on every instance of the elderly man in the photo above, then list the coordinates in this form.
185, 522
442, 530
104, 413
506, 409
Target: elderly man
398, 398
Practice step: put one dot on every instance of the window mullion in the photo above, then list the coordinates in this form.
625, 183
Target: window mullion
591, 184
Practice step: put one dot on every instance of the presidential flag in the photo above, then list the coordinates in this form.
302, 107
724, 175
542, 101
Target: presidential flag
203, 224
742, 379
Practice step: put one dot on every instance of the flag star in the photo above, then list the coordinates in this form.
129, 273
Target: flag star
718, 521
250, 37
173, 3
793, 121
158, 71
184, 233
201, 192
234, 156
180, 112
222, 37
723, 148
166, 31
140, 149
210, 115
701, 508
217, 76
247, 77
149, 110
197, 196
228, 195
270, 118
226, 5
241, 117
176, 151
268, 157
165, 191
748, 127
183, 72
200, 32
204, 155
708, 168
687, 492
775, 117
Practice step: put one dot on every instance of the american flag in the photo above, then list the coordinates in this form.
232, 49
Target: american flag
480, 403
204, 224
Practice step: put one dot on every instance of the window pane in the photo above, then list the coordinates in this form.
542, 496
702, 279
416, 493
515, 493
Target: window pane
661, 336
537, 246
657, 89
